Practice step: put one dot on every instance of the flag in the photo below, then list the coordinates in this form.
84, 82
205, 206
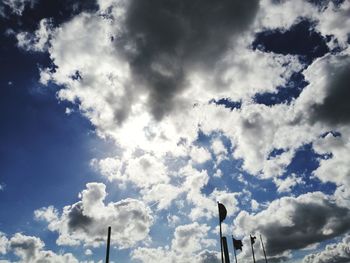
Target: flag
237, 244
222, 212
252, 239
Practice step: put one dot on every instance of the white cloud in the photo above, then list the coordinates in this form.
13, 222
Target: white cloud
88, 252
120, 110
255, 205
188, 245
86, 221
163, 194
218, 173
3, 243
17, 6
30, 249
218, 147
146, 171
286, 185
220, 151
199, 154
150, 126
334, 169
39, 40
336, 21
283, 14
203, 205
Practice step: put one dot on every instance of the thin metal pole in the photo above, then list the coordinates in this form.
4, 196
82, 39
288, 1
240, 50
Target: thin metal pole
227, 255
222, 255
252, 250
234, 249
108, 244
263, 247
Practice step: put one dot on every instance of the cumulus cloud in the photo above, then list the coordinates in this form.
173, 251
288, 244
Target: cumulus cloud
188, 245
205, 206
122, 109
39, 40
30, 249
294, 223
87, 220
16, 6
3, 243
286, 185
335, 253
335, 21
199, 154
334, 169
178, 36
255, 205
155, 100
333, 108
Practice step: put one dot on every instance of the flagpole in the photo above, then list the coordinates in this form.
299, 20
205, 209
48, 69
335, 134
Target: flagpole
234, 249
262, 243
108, 244
251, 243
222, 255
224, 244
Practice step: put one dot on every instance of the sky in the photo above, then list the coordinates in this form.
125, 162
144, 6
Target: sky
142, 115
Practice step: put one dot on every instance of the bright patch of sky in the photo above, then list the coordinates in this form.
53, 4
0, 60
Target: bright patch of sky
141, 115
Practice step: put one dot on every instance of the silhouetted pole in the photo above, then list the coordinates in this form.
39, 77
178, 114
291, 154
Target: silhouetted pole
234, 249
263, 247
222, 254
108, 244
227, 256
252, 241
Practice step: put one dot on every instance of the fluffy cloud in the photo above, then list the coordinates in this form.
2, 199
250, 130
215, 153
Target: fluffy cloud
199, 154
205, 205
155, 101
286, 185
30, 249
294, 223
185, 246
334, 169
176, 38
39, 40
335, 21
123, 110
336, 253
331, 106
87, 220
3, 243
16, 6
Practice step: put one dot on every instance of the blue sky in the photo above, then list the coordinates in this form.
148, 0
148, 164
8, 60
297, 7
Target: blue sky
142, 115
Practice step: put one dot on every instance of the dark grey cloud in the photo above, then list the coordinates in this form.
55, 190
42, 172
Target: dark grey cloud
31, 249
26, 247
333, 253
77, 220
207, 256
295, 223
86, 221
310, 223
335, 108
274, 260
170, 37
